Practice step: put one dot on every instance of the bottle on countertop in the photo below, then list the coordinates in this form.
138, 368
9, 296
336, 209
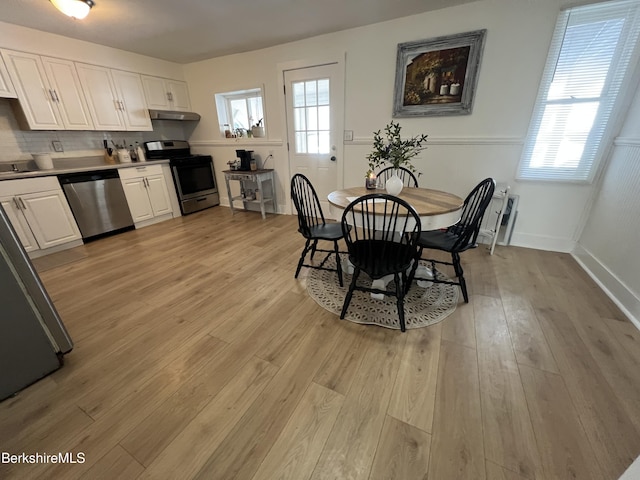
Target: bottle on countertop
140, 151
133, 154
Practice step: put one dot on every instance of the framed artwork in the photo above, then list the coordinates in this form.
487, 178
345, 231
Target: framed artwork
438, 76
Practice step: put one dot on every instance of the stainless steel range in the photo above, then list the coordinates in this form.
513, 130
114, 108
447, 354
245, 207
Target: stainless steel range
193, 175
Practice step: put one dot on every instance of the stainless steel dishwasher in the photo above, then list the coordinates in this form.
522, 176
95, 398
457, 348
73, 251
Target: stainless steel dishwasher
97, 201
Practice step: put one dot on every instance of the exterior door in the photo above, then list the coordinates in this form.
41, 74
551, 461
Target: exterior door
315, 116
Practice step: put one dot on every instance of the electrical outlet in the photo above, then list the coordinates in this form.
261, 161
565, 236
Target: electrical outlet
348, 135
57, 146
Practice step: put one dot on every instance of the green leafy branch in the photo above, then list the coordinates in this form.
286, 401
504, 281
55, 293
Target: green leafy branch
391, 150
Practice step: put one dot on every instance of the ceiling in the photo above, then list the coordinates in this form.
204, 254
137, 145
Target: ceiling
185, 31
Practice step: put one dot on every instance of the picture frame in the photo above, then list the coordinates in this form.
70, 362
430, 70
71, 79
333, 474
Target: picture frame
438, 76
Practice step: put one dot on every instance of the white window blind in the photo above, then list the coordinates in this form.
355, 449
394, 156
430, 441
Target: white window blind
589, 61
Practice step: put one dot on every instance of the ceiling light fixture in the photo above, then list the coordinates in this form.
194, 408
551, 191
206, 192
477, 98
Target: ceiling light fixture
74, 8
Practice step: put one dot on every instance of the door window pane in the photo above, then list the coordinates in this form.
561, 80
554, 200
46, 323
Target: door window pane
298, 94
312, 142
324, 121
299, 120
311, 96
312, 116
323, 92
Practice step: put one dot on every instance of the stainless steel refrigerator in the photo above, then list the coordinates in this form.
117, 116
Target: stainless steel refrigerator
33, 339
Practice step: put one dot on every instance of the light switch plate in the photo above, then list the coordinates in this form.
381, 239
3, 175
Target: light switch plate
57, 146
348, 135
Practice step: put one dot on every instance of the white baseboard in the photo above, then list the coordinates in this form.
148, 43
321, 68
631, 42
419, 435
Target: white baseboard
541, 242
56, 249
615, 289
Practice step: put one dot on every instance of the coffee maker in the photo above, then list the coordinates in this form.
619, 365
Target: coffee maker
245, 159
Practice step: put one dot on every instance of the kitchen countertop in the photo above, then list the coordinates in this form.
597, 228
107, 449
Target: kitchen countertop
74, 165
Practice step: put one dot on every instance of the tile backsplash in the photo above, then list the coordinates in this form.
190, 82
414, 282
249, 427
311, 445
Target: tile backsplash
17, 145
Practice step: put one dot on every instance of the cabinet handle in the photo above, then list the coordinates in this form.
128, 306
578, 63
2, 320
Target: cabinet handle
146, 182
123, 107
52, 95
117, 104
170, 96
55, 95
24, 207
15, 201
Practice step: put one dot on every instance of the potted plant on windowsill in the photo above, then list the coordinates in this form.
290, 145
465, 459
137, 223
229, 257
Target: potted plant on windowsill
258, 130
395, 152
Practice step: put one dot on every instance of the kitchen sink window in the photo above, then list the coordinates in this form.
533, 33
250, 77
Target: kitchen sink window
240, 111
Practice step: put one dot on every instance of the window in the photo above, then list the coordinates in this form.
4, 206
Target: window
241, 109
589, 60
311, 115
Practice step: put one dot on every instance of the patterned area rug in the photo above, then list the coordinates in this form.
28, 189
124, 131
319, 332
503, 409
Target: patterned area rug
422, 306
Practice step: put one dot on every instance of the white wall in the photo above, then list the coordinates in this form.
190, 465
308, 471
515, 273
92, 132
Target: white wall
25, 39
608, 247
462, 149
17, 145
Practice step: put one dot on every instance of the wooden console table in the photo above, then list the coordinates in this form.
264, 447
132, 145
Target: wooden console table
258, 177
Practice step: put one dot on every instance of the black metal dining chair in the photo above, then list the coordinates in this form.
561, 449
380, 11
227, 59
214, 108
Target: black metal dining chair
313, 227
381, 233
457, 238
406, 175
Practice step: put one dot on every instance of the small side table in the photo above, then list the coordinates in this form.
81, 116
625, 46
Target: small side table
258, 177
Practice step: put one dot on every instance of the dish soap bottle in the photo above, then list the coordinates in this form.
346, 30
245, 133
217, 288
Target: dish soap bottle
140, 152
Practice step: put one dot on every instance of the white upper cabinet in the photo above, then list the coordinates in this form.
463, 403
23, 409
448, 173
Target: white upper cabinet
131, 95
49, 92
101, 97
68, 94
6, 86
166, 94
116, 98
33, 90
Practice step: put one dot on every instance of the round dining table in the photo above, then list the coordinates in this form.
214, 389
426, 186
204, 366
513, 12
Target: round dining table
437, 209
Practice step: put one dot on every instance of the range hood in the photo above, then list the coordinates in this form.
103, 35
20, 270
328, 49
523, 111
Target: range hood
173, 115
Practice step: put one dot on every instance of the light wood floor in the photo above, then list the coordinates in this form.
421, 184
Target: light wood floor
198, 355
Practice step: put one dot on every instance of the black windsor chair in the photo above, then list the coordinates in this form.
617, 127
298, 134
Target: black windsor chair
407, 176
313, 227
381, 233
459, 237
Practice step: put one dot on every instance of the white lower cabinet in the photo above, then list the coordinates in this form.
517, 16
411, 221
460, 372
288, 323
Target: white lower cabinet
11, 206
147, 195
39, 213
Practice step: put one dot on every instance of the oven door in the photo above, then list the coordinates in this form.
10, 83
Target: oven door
194, 177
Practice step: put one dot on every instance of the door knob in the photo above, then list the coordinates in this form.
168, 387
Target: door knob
333, 158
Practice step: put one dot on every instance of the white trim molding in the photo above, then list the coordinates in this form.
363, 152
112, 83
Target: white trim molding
615, 289
627, 142
542, 242
452, 141
237, 143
